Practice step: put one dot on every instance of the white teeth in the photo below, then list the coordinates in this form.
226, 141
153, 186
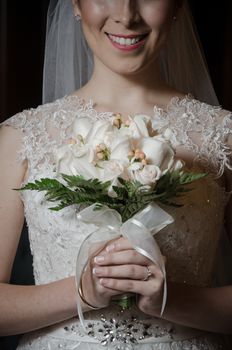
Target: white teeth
124, 41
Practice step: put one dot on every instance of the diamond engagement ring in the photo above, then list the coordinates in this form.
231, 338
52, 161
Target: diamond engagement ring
149, 274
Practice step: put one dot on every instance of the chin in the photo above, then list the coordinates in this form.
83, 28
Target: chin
130, 68
126, 71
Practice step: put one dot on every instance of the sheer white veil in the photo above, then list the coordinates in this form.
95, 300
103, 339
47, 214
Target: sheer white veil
68, 60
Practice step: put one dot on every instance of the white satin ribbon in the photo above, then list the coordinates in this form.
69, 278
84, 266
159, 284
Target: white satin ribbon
139, 230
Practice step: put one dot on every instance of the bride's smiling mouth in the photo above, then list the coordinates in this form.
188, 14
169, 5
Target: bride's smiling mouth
127, 42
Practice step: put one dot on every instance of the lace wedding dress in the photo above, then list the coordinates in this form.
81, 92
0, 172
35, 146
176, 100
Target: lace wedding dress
190, 243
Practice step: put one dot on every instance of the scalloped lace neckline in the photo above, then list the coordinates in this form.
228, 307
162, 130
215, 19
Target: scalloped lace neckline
88, 105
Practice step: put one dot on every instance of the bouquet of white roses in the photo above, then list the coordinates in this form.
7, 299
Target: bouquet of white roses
117, 168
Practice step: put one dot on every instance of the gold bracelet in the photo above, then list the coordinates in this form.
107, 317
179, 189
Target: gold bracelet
80, 292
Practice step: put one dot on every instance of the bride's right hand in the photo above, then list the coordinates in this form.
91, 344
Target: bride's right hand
93, 292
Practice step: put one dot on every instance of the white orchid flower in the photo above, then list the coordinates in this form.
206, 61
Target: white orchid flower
157, 152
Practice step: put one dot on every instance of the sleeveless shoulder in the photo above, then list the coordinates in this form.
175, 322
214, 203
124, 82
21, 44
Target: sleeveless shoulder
56, 113
199, 127
45, 127
48, 126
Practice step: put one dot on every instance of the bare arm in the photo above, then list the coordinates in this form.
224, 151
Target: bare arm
23, 308
26, 308
204, 308
208, 309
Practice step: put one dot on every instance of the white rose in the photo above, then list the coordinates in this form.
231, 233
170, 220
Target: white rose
148, 175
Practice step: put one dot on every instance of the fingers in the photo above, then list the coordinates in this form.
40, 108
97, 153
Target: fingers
124, 257
118, 245
119, 268
138, 286
121, 244
135, 272
146, 288
94, 292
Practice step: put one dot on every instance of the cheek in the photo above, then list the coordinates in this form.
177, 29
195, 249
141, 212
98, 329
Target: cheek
158, 16
158, 19
93, 14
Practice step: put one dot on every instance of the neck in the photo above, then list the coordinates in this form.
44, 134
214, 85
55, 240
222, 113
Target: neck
120, 92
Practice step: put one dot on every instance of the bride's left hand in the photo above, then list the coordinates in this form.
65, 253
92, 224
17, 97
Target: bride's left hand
125, 270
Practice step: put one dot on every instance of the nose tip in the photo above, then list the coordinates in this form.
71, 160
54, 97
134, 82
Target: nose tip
127, 15
126, 20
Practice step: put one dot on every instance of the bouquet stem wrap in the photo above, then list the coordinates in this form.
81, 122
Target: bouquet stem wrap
139, 230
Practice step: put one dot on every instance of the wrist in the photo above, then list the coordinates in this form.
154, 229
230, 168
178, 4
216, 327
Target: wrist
83, 299
90, 291
71, 294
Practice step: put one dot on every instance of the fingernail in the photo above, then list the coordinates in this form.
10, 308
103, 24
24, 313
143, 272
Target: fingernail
97, 270
99, 259
110, 247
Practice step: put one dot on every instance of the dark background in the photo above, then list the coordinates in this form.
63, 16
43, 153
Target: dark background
22, 34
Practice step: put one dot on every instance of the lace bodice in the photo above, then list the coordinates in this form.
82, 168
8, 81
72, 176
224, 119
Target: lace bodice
190, 243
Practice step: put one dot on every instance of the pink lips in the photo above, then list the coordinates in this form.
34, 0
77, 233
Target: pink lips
127, 47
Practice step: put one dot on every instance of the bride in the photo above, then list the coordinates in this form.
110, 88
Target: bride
142, 57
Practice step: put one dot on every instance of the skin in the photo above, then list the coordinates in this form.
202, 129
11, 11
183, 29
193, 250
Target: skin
126, 76
152, 17
118, 269
127, 84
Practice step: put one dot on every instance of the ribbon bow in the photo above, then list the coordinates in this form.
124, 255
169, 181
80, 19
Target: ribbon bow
139, 230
